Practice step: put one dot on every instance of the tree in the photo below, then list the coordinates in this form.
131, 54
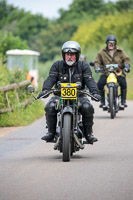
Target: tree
124, 5
50, 41
8, 41
35, 24
81, 9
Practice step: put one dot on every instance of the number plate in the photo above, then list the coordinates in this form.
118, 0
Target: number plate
68, 91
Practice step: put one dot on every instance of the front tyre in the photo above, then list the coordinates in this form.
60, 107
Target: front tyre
111, 102
66, 133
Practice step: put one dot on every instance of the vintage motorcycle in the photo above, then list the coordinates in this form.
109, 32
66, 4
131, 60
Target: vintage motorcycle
69, 137
113, 98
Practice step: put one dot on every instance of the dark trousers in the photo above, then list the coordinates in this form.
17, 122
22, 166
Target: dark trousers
85, 108
121, 80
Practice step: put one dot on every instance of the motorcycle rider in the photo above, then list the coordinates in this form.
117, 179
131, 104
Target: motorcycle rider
112, 54
82, 57
70, 69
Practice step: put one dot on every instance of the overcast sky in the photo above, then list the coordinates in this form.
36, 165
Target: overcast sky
48, 8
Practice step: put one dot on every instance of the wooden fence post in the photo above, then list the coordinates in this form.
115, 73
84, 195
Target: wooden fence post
14, 86
7, 100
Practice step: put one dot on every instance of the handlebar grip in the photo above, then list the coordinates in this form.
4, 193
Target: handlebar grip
90, 95
91, 63
45, 94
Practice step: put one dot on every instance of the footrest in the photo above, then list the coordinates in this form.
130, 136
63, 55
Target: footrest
121, 108
105, 108
86, 142
52, 141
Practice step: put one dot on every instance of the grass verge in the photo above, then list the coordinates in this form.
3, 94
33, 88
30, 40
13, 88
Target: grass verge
23, 116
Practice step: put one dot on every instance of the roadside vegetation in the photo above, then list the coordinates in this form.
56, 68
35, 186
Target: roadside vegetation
87, 22
23, 116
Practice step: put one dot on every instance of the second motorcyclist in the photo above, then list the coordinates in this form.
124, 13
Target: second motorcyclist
112, 54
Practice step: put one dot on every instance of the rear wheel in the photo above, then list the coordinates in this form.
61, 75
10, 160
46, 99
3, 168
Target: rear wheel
111, 102
66, 133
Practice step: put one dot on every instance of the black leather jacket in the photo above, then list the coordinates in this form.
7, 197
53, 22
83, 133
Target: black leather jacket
81, 72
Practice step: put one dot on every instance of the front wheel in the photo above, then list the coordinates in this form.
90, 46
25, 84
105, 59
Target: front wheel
66, 134
111, 102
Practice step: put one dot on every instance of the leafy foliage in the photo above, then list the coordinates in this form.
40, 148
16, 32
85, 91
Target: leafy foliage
93, 34
50, 41
8, 41
8, 77
80, 9
35, 24
47, 36
22, 116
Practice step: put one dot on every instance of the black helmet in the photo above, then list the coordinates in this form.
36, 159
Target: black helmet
71, 46
111, 38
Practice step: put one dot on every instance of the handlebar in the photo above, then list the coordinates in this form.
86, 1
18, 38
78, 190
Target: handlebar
58, 90
92, 64
110, 68
47, 93
88, 94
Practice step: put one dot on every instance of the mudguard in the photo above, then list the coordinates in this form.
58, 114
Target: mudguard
67, 109
111, 84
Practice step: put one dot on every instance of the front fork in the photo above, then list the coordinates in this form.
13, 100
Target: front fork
115, 95
76, 132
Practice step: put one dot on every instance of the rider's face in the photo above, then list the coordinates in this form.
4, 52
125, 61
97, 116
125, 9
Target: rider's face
70, 58
111, 45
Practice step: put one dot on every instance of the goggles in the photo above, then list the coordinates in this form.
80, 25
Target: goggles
111, 42
69, 50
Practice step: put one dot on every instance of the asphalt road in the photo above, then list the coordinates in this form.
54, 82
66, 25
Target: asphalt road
31, 170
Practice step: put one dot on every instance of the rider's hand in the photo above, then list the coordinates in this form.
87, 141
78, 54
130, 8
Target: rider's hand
97, 69
41, 94
97, 96
91, 63
126, 67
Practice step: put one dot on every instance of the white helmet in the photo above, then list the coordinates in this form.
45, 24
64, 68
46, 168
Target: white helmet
71, 46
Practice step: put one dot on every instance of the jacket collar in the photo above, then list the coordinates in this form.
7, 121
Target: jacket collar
117, 48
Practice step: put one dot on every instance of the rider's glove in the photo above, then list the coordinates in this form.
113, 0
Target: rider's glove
97, 96
126, 67
97, 69
91, 63
41, 94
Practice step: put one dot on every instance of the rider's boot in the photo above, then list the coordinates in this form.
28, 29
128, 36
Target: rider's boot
51, 121
102, 93
123, 97
88, 131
